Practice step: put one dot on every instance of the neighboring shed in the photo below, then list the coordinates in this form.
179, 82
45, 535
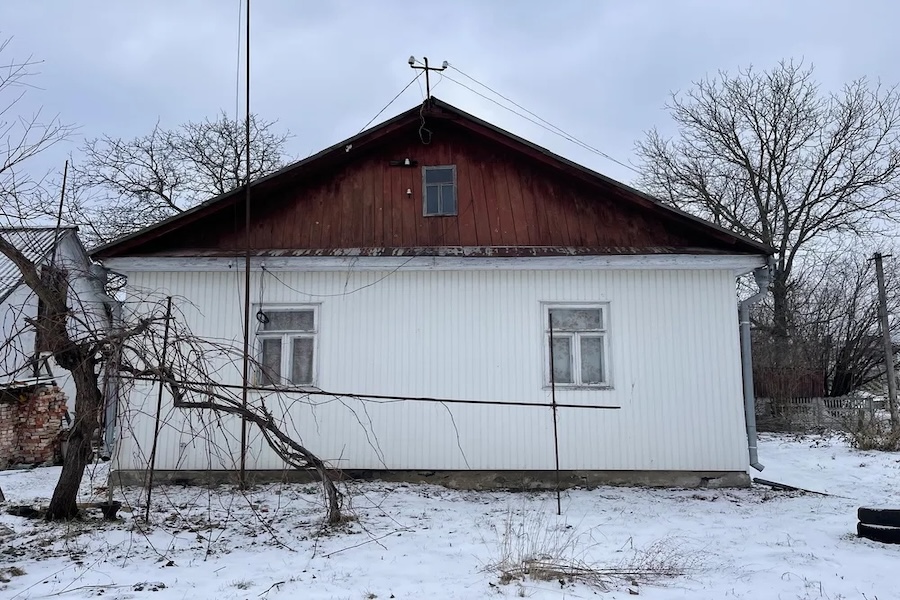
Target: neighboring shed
425, 258
36, 395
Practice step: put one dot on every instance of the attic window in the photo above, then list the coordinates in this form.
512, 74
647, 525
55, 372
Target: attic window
439, 184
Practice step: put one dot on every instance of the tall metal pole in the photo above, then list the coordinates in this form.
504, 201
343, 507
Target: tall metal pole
555, 427
158, 407
62, 196
427, 80
242, 481
888, 346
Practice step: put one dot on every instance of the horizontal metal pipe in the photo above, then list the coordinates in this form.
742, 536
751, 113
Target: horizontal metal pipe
194, 384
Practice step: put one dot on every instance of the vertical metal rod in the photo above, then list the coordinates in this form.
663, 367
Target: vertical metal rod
116, 377
427, 80
158, 407
242, 480
553, 402
888, 346
62, 195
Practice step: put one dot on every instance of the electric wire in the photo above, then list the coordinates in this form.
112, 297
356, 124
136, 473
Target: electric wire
386, 106
537, 120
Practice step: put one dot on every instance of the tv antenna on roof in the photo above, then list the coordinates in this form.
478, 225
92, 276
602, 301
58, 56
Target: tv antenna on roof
412, 63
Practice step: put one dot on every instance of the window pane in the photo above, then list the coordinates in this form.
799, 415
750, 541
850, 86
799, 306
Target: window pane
562, 360
289, 320
591, 360
432, 199
443, 175
448, 200
576, 319
302, 361
271, 361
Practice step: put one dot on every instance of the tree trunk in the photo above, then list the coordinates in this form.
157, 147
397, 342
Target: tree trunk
843, 382
88, 400
780, 309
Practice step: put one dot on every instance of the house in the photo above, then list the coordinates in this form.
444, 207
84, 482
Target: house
36, 395
425, 259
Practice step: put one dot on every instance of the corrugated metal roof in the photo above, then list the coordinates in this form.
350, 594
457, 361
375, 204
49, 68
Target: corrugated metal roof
36, 243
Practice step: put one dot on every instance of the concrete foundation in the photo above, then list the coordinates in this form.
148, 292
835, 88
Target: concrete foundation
463, 480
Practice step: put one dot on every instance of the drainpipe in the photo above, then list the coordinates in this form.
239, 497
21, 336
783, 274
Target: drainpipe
112, 321
762, 275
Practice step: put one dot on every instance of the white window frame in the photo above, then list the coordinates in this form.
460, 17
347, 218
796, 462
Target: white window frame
287, 338
425, 212
603, 334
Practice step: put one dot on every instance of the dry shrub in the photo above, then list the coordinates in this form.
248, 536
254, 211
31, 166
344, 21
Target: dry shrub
867, 431
533, 546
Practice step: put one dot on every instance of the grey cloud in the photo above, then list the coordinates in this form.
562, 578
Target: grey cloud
600, 70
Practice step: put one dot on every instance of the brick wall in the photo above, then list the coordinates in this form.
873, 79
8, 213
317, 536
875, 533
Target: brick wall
30, 424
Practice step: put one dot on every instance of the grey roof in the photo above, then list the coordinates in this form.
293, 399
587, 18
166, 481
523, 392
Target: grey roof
36, 243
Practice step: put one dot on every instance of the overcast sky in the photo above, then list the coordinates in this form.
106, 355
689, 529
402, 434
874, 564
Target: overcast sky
601, 70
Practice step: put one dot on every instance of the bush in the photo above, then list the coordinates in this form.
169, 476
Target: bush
868, 431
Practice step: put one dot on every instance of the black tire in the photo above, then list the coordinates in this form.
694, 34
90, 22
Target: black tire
889, 517
879, 533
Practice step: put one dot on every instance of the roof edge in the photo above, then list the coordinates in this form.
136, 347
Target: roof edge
109, 249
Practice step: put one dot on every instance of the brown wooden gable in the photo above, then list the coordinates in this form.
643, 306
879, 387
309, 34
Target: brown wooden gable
513, 199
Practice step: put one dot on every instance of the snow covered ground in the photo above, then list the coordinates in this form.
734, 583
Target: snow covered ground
422, 541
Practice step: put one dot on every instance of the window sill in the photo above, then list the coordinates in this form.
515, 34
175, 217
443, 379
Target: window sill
581, 388
285, 389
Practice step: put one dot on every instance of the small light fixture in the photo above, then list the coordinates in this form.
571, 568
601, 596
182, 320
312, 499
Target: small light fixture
406, 162
409, 192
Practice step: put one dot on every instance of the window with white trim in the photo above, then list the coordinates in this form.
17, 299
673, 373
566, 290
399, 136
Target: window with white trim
439, 184
580, 345
286, 345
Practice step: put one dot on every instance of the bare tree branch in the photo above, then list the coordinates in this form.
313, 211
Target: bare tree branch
768, 155
120, 186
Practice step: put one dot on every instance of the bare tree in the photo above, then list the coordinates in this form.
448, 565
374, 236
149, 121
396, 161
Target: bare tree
120, 186
21, 138
84, 349
184, 363
191, 369
770, 156
837, 307
81, 355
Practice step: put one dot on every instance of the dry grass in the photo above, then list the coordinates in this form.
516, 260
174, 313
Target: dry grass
533, 546
865, 431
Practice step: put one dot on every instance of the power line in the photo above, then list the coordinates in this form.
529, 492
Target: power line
537, 120
394, 99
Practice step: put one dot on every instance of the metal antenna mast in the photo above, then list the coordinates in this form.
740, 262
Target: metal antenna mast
246, 365
412, 63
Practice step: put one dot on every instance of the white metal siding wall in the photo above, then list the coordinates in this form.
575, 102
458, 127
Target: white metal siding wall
477, 335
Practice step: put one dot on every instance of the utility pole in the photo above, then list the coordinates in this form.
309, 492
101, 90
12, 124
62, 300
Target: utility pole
412, 63
888, 346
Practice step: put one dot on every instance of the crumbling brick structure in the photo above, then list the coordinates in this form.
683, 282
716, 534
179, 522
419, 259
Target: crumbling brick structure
31, 421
